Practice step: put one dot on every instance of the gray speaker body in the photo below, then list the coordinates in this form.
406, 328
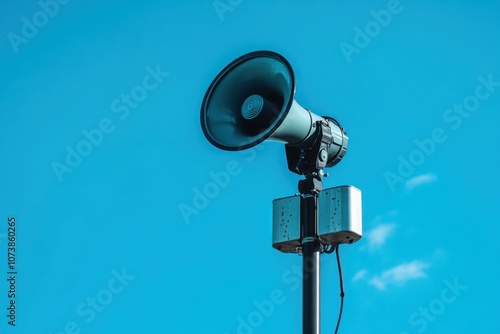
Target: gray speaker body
286, 224
340, 215
339, 219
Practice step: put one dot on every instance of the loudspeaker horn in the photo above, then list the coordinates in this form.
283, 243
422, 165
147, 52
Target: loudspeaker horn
252, 99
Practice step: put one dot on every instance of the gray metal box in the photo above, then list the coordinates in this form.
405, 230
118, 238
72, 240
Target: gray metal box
286, 224
340, 215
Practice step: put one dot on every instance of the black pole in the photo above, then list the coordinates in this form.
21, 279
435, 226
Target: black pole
311, 266
310, 163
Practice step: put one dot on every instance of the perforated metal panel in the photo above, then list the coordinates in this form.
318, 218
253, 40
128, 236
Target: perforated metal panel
286, 224
340, 215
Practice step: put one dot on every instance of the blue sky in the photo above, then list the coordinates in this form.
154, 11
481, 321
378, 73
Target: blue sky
101, 148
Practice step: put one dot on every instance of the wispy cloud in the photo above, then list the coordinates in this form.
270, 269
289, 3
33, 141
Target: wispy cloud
377, 236
360, 275
420, 180
399, 274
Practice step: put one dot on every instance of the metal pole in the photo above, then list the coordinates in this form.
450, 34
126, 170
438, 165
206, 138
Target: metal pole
311, 266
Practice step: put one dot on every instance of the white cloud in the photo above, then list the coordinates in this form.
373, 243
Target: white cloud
399, 274
377, 236
420, 180
360, 275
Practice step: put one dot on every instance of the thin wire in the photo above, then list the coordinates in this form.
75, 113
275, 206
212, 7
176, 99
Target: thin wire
341, 280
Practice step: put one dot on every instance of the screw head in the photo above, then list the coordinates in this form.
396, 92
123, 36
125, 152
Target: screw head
323, 155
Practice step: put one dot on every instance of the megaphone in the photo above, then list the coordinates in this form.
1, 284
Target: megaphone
252, 99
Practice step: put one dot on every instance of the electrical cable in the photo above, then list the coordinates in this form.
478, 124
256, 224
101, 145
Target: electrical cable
341, 281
